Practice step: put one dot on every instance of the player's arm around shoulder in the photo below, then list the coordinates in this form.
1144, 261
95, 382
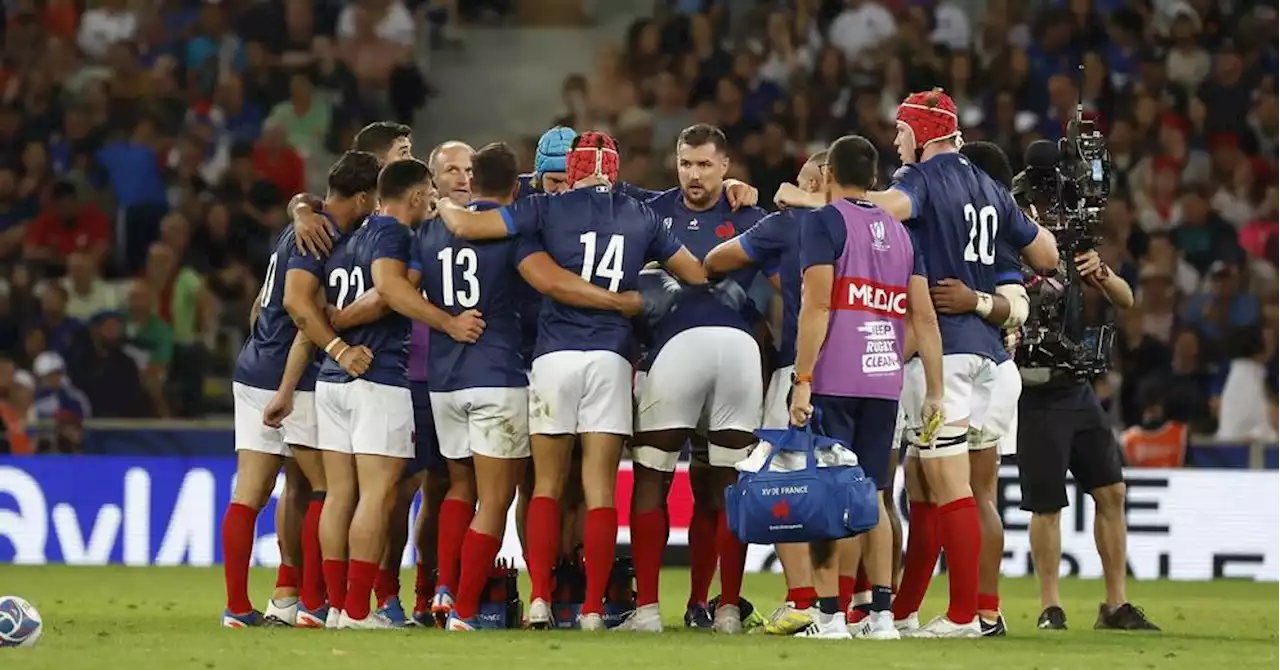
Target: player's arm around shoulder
562, 286
492, 224
310, 229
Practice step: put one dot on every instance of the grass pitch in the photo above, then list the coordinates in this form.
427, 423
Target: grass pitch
165, 618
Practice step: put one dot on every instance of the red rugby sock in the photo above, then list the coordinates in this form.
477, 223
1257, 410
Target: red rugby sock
733, 561
455, 519
542, 538
312, 593
846, 592
387, 585
702, 557
962, 540
600, 543
988, 602
648, 542
360, 578
479, 551
286, 577
802, 598
335, 581
237, 548
924, 544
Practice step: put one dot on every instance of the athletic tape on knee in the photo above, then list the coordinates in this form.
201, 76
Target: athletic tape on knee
948, 441
726, 457
655, 458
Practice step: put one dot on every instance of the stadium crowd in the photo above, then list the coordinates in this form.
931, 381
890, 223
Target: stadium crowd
147, 151
146, 158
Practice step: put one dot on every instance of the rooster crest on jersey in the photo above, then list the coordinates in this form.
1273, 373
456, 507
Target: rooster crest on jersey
930, 116
593, 154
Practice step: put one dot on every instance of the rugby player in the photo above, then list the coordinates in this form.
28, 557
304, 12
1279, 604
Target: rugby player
863, 278
366, 423
442, 518
773, 245
1009, 307
479, 392
703, 370
580, 382
259, 379
958, 214
549, 177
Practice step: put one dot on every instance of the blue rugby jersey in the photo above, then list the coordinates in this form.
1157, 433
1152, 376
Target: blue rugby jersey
458, 275
262, 359
350, 274
960, 216
700, 232
773, 244
606, 238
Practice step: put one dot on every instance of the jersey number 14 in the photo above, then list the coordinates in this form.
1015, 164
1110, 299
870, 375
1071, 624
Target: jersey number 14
610, 265
982, 234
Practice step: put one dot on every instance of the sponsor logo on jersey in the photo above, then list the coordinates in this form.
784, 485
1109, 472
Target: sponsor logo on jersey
693, 225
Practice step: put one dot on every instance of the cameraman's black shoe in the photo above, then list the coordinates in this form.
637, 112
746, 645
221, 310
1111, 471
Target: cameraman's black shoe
1124, 617
1052, 618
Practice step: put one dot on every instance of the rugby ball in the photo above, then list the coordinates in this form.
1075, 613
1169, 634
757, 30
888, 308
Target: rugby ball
20, 624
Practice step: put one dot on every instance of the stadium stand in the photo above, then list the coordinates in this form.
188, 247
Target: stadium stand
145, 158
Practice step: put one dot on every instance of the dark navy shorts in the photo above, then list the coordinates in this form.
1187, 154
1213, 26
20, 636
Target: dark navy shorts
866, 426
426, 453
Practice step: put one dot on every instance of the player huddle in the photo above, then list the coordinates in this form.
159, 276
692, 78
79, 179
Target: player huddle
489, 339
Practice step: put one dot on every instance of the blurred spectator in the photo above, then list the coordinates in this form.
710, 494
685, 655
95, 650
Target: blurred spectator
1224, 305
67, 225
148, 341
304, 117
134, 174
87, 292
862, 26
17, 405
111, 23
184, 303
278, 162
57, 398
16, 214
1243, 413
61, 332
108, 377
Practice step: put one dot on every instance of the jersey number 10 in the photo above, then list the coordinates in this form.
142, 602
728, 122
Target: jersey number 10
610, 266
982, 234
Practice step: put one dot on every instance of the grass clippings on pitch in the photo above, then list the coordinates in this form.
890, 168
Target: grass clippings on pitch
167, 618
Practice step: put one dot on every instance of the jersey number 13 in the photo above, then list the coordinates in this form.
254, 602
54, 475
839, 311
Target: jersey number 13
982, 234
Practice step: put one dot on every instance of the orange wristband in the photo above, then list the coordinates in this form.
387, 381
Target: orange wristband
804, 379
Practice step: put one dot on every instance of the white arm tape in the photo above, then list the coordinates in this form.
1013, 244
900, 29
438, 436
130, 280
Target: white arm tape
1019, 304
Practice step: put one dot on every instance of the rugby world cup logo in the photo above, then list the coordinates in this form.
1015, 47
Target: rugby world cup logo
877, 236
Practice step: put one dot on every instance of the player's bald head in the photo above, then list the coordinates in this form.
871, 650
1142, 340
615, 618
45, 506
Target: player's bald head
811, 177
450, 164
852, 162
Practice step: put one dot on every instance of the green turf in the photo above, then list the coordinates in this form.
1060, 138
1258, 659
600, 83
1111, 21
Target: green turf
127, 618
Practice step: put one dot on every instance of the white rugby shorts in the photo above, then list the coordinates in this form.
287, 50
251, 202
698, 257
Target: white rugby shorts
365, 418
490, 421
252, 435
777, 413
1001, 411
968, 381
705, 377
575, 392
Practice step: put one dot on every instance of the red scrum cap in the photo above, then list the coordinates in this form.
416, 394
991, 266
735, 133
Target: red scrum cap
931, 117
593, 153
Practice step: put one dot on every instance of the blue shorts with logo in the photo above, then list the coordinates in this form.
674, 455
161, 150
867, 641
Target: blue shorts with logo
426, 454
866, 426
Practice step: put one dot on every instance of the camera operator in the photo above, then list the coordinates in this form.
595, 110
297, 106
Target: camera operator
1062, 427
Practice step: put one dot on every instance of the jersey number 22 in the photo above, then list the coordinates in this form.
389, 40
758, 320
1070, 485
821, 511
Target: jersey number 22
982, 234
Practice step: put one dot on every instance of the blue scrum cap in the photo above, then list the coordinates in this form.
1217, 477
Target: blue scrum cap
553, 148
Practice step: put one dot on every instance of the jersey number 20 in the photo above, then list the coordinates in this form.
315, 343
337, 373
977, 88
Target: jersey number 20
465, 260
610, 265
982, 234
